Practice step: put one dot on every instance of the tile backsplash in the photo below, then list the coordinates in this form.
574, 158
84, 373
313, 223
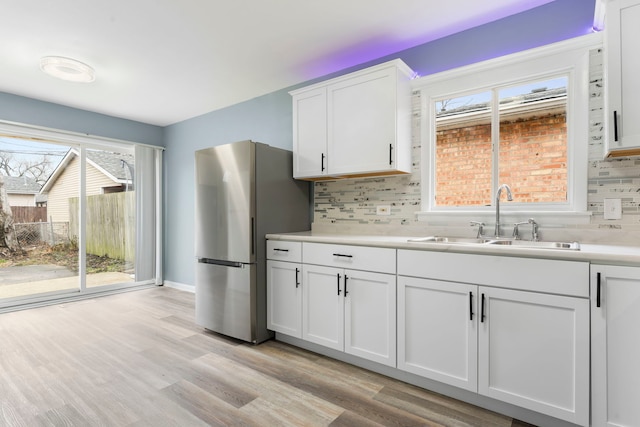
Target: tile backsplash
354, 201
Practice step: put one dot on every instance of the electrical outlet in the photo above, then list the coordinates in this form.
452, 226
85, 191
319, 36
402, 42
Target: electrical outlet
383, 210
612, 208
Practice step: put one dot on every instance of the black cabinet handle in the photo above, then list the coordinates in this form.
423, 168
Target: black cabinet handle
343, 255
297, 277
338, 284
470, 305
345, 285
482, 316
598, 287
281, 250
322, 163
615, 126
390, 154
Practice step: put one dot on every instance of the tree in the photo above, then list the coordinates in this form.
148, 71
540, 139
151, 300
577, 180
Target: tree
32, 165
7, 237
38, 167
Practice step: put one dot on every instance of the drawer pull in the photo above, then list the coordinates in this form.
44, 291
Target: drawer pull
343, 255
281, 250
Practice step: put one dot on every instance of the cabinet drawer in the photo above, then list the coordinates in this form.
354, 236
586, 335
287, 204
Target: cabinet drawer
284, 251
527, 274
381, 260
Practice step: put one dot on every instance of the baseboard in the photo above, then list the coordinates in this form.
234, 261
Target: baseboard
180, 286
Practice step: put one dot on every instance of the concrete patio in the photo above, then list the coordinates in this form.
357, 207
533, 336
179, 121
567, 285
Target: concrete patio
36, 279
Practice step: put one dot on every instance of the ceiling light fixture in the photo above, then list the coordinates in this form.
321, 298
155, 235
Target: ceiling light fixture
67, 69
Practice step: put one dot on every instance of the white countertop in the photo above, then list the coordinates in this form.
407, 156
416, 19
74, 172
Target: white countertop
595, 253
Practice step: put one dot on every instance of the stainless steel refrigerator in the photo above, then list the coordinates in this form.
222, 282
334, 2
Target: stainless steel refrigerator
244, 190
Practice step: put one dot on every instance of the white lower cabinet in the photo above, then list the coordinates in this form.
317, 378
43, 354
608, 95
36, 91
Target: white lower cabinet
523, 347
284, 297
338, 296
437, 330
284, 287
323, 306
513, 329
351, 311
615, 346
533, 351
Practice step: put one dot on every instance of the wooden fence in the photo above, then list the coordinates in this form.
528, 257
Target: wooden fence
27, 214
111, 220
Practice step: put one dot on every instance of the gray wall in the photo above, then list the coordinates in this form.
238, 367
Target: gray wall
268, 119
19, 109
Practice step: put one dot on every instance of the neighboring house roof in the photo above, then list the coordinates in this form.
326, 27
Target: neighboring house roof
20, 185
117, 167
535, 96
523, 106
111, 164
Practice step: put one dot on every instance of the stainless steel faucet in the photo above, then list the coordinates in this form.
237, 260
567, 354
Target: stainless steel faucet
480, 226
509, 198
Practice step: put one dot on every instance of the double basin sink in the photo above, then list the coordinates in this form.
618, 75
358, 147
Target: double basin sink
524, 244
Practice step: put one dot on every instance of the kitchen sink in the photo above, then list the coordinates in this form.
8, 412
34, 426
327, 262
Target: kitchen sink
575, 246
442, 239
524, 244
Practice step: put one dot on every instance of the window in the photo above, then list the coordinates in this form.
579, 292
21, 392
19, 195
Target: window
520, 120
530, 142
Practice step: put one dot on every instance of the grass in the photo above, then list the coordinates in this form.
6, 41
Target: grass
65, 255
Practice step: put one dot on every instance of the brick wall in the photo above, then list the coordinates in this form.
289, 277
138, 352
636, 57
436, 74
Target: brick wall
533, 161
534, 164
463, 166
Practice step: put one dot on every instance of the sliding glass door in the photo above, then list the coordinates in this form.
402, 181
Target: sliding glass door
98, 226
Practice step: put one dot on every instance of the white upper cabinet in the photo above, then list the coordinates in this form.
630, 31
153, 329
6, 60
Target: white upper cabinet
622, 68
354, 125
310, 133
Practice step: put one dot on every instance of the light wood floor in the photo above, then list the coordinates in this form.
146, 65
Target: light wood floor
137, 359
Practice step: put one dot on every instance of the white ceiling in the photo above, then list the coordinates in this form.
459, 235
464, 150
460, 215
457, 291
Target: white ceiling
164, 61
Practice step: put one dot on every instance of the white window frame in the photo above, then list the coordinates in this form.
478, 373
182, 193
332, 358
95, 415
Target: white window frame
569, 58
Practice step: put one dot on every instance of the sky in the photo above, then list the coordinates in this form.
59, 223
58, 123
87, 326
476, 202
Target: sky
20, 147
27, 150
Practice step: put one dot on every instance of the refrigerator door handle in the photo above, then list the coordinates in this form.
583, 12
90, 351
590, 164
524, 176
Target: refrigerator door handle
221, 262
253, 236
